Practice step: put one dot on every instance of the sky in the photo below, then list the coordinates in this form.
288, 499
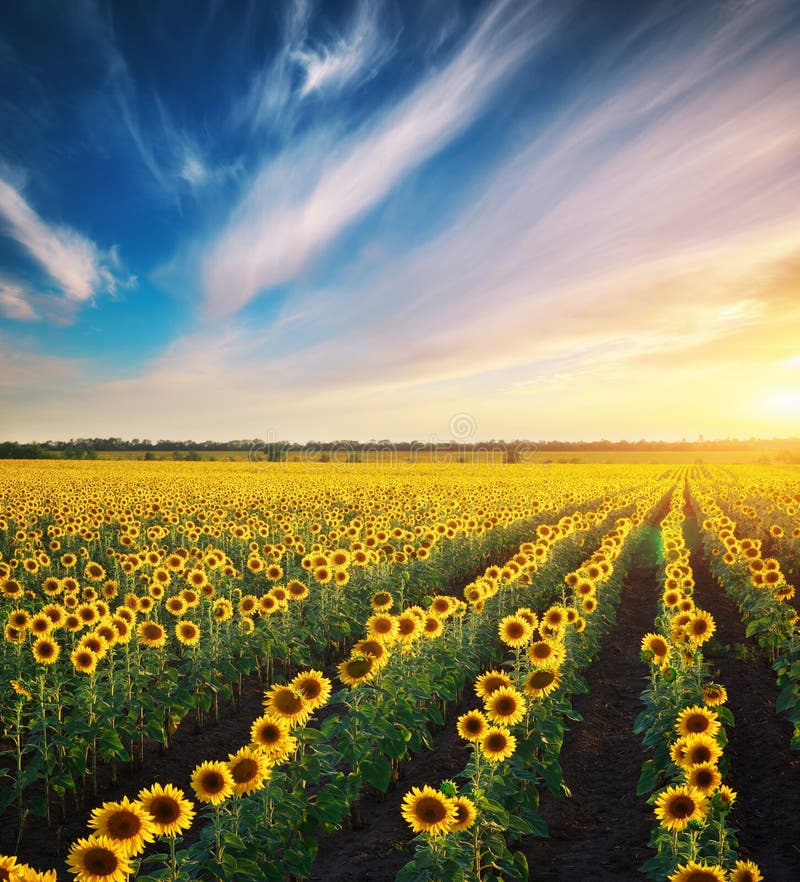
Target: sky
410, 219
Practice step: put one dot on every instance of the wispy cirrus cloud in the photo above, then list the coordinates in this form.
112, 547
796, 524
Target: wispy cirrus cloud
347, 60
15, 302
73, 262
302, 200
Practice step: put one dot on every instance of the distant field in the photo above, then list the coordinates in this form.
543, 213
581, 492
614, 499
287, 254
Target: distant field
667, 457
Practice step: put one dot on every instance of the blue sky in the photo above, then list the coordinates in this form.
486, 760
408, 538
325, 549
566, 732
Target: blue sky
361, 219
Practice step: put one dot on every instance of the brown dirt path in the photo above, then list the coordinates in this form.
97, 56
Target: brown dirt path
601, 832
764, 772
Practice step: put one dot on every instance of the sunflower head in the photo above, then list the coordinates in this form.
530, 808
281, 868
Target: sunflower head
249, 769
490, 682
428, 811
212, 782
472, 725
98, 858
497, 744
127, 824
697, 720
466, 814
505, 706
169, 809
678, 805
692, 871
746, 871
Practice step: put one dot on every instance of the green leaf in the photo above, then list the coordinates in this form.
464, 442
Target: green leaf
379, 773
648, 779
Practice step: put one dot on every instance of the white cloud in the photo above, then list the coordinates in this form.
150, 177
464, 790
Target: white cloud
303, 199
352, 58
70, 259
15, 302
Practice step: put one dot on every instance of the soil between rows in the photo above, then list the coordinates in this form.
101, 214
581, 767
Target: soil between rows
764, 771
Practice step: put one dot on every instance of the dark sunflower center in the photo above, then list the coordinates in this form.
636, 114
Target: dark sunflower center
681, 807
359, 667
496, 741
704, 778
100, 861
213, 782
165, 810
505, 705
431, 810
245, 770
473, 725
696, 723
540, 679
123, 824
515, 630
659, 647
542, 650
288, 703
152, 632
269, 734
700, 754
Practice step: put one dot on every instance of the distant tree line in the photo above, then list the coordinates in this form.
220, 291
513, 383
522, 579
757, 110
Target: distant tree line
787, 449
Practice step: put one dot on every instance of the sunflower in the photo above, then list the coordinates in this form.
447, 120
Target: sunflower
407, 628
19, 619
382, 626
98, 859
271, 736
695, 872
472, 725
187, 632
466, 813
692, 750
530, 617
697, 720
249, 769
8, 863
432, 627
124, 823
490, 682
546, 654
375, 649
497, 744
315, 688
515, 631
222, 609
704, 777
726, 796
151, 633
589, 605
357, 669
46, 651
700, 627
555, 617
658, 646
39, 625
678, 805
541, 682
428, 811
505, 706
84, 660
714, 695
212, 782
288, 704
19, 689
176, 605
746, 871
382, 601
297, 590
168, 807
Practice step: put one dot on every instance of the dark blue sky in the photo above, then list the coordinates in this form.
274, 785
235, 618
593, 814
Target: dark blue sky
357, 201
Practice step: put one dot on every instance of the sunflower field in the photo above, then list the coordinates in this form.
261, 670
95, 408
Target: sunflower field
217, 671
